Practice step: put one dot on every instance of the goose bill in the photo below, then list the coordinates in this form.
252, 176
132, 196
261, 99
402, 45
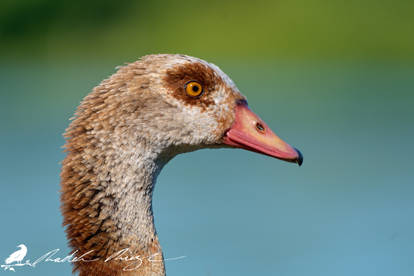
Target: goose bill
251, 133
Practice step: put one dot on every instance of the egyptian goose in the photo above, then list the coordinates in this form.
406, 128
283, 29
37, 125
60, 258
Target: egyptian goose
122, 135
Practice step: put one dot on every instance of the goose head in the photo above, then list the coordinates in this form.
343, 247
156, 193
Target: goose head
123, 133
179, 103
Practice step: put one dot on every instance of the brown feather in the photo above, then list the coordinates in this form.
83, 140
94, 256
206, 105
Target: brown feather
122, 135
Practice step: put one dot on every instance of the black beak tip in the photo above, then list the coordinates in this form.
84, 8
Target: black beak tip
300, 157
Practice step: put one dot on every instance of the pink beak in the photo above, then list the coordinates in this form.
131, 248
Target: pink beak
251, 133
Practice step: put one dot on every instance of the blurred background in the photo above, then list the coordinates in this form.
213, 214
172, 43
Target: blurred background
333, 78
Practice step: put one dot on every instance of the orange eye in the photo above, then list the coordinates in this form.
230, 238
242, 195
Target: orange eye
193, 89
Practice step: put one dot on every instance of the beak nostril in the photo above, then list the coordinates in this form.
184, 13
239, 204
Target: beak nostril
260, 128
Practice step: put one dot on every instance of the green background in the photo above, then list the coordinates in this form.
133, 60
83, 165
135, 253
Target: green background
333, 78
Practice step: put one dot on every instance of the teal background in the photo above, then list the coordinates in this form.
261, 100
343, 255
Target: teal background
335, 79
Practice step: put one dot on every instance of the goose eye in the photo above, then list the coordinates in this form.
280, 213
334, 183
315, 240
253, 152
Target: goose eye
193, 89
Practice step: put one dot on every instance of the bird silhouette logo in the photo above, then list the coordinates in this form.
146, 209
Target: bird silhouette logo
17, 256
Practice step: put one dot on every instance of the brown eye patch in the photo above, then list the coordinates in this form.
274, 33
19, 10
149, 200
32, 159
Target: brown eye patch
177, 78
